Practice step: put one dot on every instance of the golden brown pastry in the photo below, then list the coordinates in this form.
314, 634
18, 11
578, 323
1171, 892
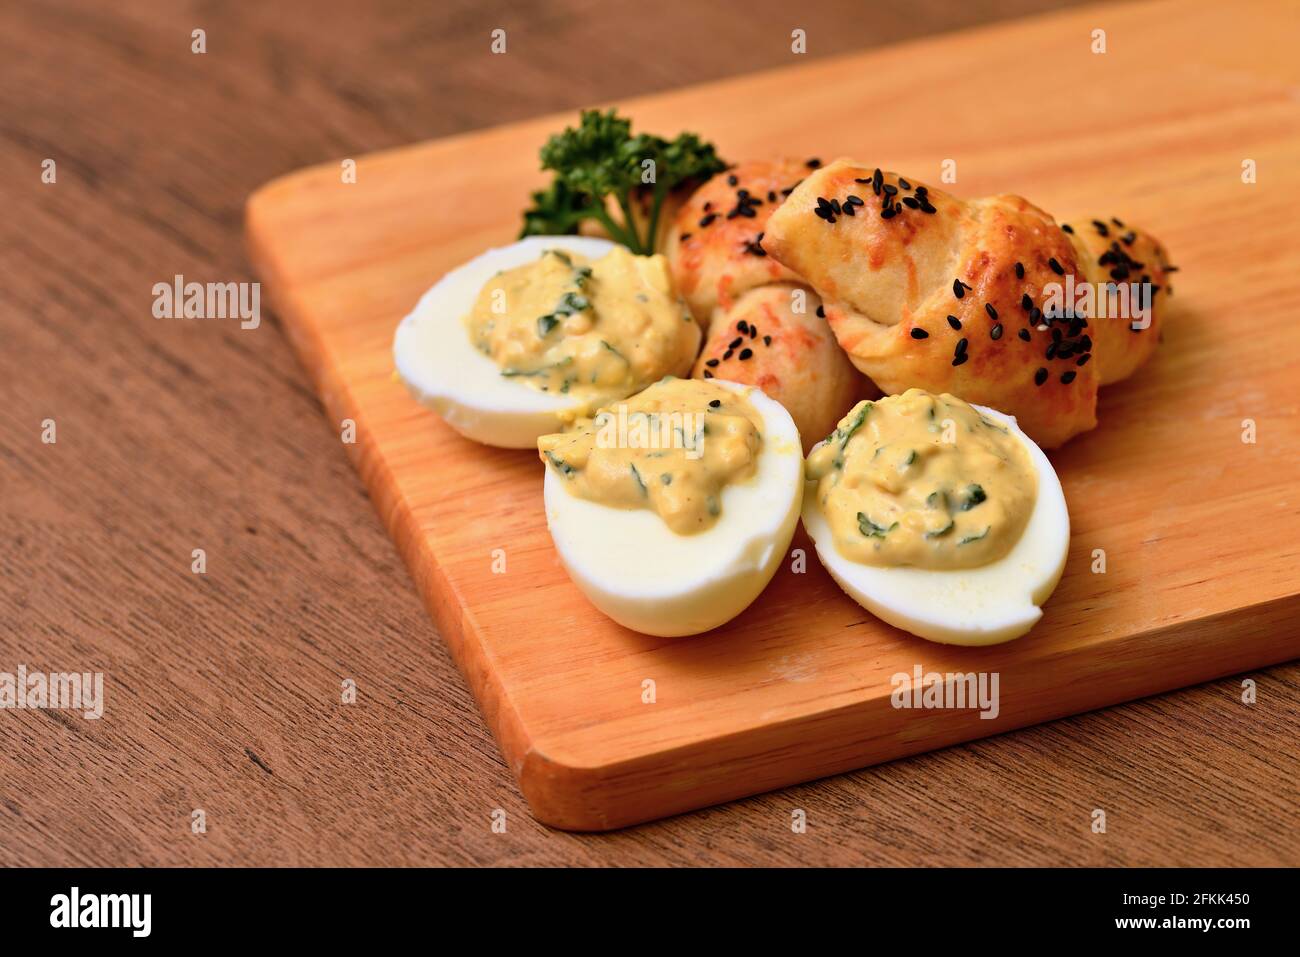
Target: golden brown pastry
765, 341
1111, 251
714, 245
926, 290
764, 326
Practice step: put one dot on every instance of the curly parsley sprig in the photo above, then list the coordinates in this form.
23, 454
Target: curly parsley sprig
600, 160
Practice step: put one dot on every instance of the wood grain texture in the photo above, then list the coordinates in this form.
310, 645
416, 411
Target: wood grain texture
799, 686
177, 435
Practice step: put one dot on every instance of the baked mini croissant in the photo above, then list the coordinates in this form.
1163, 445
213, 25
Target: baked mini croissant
923, 289
763, 325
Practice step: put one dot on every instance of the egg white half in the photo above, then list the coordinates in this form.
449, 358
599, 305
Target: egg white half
970, 606
646, 577
444, 370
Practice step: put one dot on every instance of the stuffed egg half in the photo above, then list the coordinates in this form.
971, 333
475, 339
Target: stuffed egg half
671, 511
941, 518
525, 339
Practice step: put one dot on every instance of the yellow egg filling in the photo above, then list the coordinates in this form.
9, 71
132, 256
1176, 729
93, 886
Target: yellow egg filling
595, 329
671, 449
923, 480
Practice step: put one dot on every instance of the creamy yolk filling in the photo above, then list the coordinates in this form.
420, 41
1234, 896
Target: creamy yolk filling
671, 449
592, 328
923, 480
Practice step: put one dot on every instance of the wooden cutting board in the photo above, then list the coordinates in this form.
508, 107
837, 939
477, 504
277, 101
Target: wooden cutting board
1200, 530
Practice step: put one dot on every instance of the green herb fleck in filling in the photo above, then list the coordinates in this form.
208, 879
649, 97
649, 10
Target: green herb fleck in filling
974, 496
561, 466
871, 529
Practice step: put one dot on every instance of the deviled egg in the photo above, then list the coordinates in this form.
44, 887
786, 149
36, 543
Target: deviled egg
942, 518
672, 510
526, 339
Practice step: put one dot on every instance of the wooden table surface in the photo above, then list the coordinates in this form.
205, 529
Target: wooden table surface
223, 688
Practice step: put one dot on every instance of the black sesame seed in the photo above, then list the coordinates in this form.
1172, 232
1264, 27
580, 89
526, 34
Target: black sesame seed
712, 363
708, 219
1067, 377
742, 326
1083, 359
962, 343
715, 403
904, 183
746, 354
708, 374
911, 203
1026, 303
728, 354
731, 180
735, 343
1040, 376
1020, 270
684, 236
1056, 267
1117, 222
821, 312
959, 358
920, 334
954, 322
1067, 228
1024, 334
996, 332
957, 289
993, 313
847, 209
888, 213
814, 163
767, 340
